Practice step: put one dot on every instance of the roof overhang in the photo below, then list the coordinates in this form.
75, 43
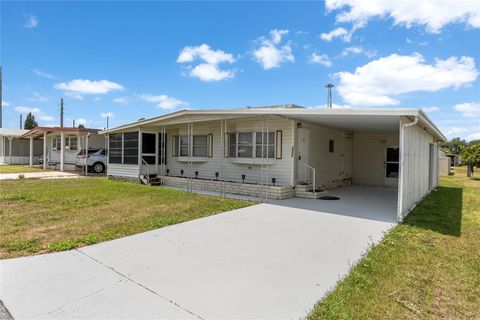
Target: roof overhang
38, 132
353, 119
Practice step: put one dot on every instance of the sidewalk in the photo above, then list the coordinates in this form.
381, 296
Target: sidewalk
40, 175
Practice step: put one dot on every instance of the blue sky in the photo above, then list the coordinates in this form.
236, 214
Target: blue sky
142, 59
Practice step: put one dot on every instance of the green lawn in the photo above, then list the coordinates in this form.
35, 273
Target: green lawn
38, 216
18, 168
426, 268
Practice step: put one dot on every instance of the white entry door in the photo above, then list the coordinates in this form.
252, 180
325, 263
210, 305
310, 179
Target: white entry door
391, 167
303, 154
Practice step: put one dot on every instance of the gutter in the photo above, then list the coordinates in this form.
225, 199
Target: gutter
402, 150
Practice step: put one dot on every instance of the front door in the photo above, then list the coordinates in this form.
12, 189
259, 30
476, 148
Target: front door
391, 168
303, 154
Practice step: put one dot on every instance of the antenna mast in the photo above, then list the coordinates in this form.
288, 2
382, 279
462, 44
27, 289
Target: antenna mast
329, 96
61, 112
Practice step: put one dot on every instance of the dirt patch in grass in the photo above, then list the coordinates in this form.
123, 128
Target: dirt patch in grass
38, 216
426, 268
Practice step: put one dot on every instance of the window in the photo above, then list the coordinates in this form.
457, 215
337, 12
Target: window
115, 148
331, 146
245, 144
56, 143
71, 143
241, 144
200, 146
268, 145
184, 146
130, 148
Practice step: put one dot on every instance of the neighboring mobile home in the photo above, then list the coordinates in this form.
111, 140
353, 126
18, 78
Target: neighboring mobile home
14, 150
281, 151
60, 145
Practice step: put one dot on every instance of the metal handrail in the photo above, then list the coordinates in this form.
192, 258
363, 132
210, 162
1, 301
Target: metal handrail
145, 163
312, 169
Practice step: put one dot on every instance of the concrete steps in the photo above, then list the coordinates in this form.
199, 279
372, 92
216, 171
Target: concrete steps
305, 191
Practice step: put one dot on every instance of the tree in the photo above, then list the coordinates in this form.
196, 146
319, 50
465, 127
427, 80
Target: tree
81, 126
455, 145
30, 122
471, 157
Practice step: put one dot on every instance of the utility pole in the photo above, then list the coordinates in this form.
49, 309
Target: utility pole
329, 96
73, 121
61, 112
20, 121
107, 122
1, 101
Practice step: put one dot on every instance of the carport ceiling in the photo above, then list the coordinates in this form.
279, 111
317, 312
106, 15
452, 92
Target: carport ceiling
364, 123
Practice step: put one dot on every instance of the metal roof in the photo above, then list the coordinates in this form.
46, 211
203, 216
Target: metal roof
381, 120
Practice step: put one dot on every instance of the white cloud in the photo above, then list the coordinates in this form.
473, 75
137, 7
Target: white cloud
32, 22
44, 74
81, 121
378, 82
351, 50
466, 132
209, 69
432, 14
430, 109
77, 88
5, 103
107, 114
335, 33
37, 97
469, 109
357, 50
320, 59
163, 101
210, 72
270, 55
35, 111
121, 100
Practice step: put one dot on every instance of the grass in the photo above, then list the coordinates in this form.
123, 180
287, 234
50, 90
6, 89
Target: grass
428, 267
18, 168
39, 216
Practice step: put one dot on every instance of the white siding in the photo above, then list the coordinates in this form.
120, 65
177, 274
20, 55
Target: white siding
415, 167
123, 170
280, 169
328, 164
94, 141
369, 157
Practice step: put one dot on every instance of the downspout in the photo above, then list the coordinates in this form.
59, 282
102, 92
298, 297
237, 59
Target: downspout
402, 166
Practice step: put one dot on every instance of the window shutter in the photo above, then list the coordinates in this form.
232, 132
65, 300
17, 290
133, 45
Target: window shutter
174, 146
278, 145
210, 145
226, 145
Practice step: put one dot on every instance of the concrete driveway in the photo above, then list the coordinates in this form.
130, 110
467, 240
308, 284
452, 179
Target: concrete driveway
265, 261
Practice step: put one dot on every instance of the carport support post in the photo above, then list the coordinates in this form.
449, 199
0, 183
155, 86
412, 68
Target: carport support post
45, 150
62, 149
10, 150
31, 151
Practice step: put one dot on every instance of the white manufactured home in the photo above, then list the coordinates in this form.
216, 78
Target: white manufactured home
282, 151
14, 150
60, 145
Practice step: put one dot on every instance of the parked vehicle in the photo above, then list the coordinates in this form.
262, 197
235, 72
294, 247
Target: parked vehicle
96, 160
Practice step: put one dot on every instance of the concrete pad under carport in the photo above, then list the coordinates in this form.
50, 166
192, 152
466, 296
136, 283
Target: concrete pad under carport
265, 261
366, 202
